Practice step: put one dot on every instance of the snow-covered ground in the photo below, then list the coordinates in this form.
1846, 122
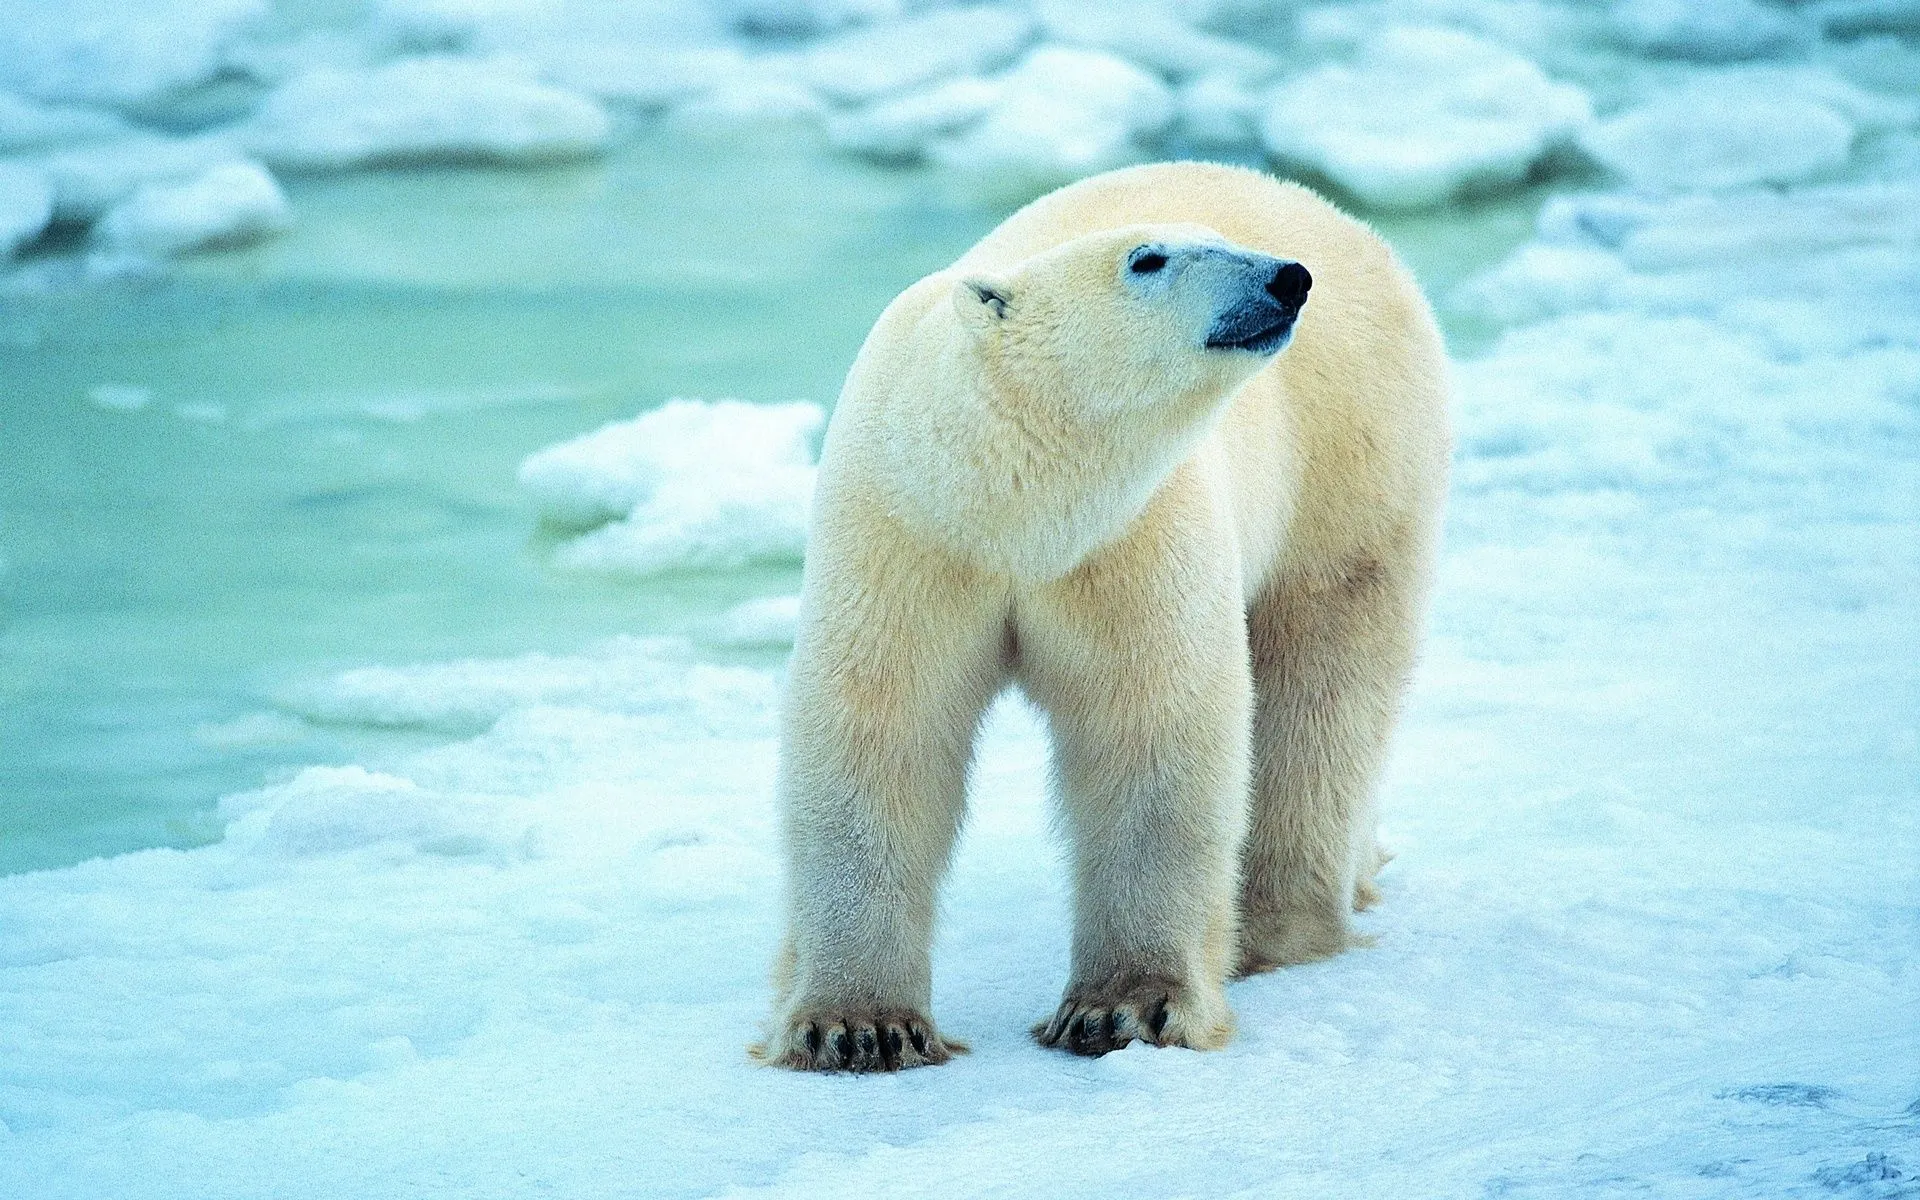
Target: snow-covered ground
1654, 923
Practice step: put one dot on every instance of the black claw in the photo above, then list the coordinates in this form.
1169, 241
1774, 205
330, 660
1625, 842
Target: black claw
1077, 1031
893, 1043
1107, 1031
918, 1037
813, 1038
1157, 1018
843, 1046
869, 1047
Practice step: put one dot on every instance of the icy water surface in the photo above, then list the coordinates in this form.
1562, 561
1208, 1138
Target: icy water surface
277, 461
304, 454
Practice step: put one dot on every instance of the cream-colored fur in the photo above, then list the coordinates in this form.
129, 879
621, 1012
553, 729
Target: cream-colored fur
1206, 566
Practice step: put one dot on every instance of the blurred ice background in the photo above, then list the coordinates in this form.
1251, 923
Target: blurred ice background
407, 415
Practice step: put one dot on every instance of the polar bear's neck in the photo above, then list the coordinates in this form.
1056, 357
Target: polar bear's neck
1018, 487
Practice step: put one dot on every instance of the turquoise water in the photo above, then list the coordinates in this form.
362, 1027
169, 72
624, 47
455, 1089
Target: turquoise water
305, 456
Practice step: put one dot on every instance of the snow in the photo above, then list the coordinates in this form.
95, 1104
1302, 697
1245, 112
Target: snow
690, 485
1422, 116
1650, 928
224, 206
1063, 113
422, 109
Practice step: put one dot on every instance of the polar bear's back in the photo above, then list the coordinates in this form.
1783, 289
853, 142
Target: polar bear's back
1342, 439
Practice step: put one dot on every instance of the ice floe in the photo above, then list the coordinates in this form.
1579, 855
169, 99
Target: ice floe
1153, 35
422, 109
1422, 116
690, 485
223, 206
1063, 113
90, 180
886, 60
102, 52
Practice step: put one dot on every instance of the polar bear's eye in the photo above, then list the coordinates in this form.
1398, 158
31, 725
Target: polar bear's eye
1148, 263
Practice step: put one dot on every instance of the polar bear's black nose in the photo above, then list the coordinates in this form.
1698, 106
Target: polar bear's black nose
1289, 285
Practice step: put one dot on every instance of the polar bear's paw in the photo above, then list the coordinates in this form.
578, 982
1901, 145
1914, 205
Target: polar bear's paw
1131, 1006
853, 1038
1270, 939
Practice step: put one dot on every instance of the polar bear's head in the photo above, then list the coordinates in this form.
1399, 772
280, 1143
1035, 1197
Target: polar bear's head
1149, 316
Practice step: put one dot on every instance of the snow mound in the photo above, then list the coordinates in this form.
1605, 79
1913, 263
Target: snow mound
884, 60
1062, 114
328, 810
1706, 30
26, 205
1422, 116
224, 206
690, 485
422, 109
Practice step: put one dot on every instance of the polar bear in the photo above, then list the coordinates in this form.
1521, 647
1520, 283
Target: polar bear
1079, 461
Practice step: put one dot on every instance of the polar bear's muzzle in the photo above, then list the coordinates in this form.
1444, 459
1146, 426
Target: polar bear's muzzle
1263, 303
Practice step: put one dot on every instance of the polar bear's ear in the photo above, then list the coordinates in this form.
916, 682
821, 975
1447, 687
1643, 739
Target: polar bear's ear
981, 301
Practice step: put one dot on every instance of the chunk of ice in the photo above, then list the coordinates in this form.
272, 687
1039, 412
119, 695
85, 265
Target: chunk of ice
1722, 134
422, 109
1064, 113
1420, 117
1152, 35
224, 206
89, 180
901, 130
115, 54
888, 59
688, 485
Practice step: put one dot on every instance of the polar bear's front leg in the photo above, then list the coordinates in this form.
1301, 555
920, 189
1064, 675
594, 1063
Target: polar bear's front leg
884, 696
1139, 659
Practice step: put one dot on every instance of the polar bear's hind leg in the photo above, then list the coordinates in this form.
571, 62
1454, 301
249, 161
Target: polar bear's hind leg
1330, 659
